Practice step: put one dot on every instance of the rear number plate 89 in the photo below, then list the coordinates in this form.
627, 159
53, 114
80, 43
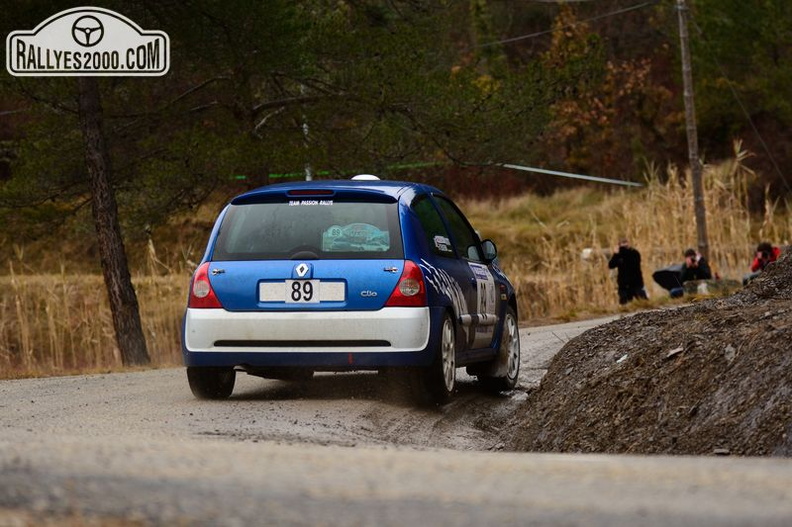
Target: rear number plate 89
301, 291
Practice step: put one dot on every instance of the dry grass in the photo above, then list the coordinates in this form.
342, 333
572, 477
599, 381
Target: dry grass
60, 323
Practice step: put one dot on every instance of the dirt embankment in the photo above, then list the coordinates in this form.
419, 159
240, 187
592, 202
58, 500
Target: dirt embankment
711, 378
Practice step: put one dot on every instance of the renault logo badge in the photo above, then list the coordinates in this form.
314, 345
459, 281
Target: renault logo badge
301, 269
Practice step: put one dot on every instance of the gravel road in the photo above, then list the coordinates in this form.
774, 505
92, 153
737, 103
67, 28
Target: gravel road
342, 449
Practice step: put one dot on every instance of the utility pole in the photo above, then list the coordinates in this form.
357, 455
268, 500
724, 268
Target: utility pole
306, 142
692, 135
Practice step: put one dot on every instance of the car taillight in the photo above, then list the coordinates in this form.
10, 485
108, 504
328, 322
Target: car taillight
201, 293
411, 289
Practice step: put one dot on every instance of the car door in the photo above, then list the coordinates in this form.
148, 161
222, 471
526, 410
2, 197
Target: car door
479, 288
446, 273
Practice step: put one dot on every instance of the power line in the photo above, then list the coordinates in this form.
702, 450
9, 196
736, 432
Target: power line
548, 31
570, 175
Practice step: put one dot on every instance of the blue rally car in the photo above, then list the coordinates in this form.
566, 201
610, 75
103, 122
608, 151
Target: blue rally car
359, 274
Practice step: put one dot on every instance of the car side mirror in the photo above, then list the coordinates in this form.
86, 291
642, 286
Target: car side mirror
490, 250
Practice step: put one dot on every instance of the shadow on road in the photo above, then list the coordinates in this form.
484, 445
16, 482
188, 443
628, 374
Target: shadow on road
390, 388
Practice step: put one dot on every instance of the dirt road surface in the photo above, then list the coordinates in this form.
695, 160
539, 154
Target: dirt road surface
352, 449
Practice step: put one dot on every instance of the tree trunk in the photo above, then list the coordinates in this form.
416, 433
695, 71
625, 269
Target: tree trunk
123, 301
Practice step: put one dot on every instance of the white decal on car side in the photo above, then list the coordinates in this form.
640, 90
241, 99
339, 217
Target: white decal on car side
443, 283
442, 243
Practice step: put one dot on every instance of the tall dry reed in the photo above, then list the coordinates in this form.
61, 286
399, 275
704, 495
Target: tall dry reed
61, 323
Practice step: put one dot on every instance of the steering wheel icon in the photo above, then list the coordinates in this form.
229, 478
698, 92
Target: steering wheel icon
87, 31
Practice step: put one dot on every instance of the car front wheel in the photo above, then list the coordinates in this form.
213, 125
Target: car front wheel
211, 383
503, 372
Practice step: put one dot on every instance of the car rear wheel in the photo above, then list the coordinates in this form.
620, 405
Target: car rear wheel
440, 377
502, 373
211, 383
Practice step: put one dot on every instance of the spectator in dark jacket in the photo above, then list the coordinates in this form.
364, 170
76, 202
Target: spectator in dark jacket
694, 268
630, 278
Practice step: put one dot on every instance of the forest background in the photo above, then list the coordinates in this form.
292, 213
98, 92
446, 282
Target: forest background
437, 91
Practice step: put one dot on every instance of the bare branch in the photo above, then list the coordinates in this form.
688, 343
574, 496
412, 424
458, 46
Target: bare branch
188, 92
265, 119
203, 107
55, 105
288, 101
197, 87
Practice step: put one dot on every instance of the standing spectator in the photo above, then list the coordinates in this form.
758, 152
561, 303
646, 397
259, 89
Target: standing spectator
694, 268
630, 278
765, 254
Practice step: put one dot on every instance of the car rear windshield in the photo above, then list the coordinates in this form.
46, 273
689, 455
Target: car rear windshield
306, 229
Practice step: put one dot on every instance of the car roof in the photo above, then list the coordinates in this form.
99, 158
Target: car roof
393, 189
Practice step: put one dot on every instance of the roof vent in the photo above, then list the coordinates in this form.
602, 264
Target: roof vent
365, 177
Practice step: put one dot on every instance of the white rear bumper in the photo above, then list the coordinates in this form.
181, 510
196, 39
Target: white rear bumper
391, 329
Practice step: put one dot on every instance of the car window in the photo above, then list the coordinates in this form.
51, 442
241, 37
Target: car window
433, 226
464, 236
328, 229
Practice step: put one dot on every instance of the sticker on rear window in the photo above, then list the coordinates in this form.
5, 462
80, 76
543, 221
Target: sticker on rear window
442, 243
355, 237
310, 202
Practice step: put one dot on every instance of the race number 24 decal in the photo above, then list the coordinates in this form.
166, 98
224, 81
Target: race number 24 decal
485, 293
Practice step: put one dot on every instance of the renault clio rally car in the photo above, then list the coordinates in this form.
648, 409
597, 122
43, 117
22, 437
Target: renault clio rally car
358, 274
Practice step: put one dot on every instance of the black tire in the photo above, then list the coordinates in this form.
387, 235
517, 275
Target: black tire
211, 383
439, 379
503, 372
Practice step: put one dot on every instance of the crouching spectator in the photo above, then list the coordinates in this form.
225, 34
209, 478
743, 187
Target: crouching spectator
765, 255
694, 268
